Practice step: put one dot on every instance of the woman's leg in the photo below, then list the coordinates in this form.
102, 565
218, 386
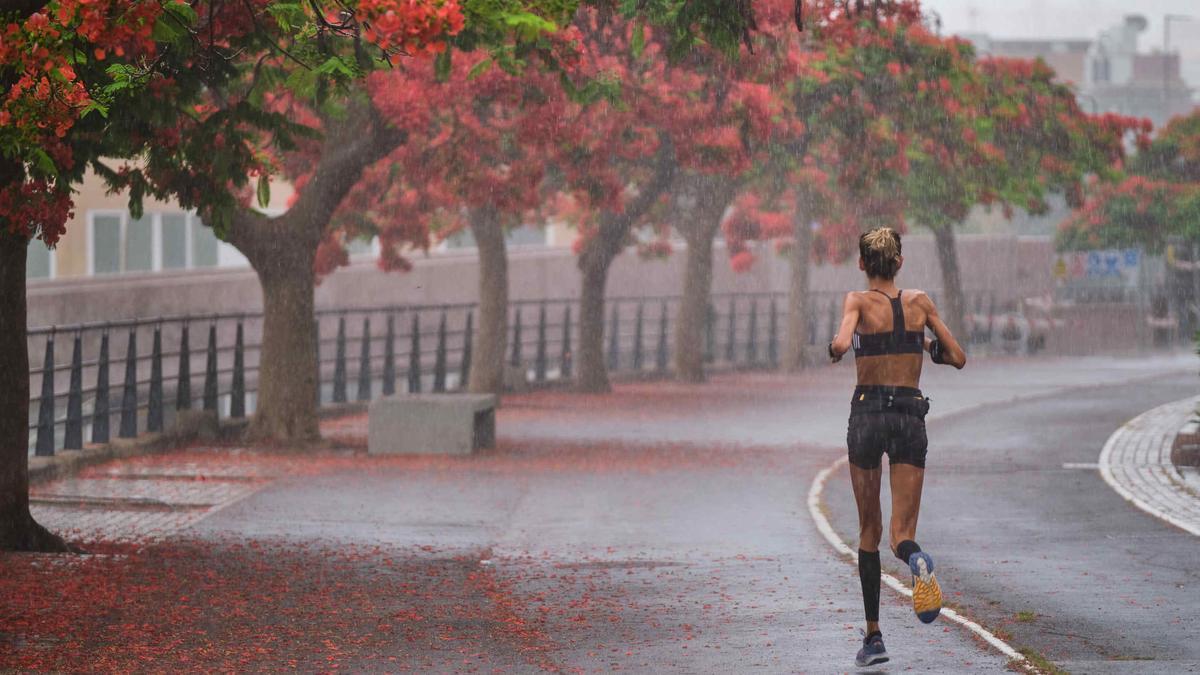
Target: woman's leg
870, 529
907, 481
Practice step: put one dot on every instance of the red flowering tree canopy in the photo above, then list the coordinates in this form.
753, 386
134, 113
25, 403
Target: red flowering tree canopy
1158, 199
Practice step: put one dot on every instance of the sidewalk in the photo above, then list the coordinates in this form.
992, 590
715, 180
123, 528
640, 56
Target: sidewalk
662, 528
1136, 462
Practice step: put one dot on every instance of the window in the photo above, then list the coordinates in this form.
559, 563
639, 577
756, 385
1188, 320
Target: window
156, 241
106, 243
517, 236
139, 244
39, 261
204, 244
174, 241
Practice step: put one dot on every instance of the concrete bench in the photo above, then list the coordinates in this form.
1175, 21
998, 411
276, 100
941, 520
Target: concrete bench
456, 424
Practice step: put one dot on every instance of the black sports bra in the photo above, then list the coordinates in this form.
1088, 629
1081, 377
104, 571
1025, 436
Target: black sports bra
899, 340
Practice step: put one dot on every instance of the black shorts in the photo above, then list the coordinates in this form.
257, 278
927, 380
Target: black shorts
887, 420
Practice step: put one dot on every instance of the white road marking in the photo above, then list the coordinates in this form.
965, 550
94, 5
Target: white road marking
1090, 466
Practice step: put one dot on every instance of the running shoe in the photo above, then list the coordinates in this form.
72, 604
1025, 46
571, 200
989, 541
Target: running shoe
927, 594
872, 651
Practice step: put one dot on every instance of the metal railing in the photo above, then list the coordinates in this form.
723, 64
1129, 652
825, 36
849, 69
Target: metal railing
367, 352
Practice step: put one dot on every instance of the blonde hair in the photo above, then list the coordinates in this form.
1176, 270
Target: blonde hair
880, 251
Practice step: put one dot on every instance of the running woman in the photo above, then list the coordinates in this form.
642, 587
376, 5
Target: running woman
886, 329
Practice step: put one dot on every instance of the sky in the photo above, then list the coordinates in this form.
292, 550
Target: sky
1076, 19
1066, 18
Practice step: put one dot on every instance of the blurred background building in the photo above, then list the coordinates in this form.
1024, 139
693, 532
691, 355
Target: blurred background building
1110, 72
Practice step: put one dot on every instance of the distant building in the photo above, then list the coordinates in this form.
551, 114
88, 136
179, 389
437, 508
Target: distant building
1109, 73
103, 238
1068, 58
1122, 80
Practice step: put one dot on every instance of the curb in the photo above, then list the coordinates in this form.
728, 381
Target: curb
1136, 463
200, 426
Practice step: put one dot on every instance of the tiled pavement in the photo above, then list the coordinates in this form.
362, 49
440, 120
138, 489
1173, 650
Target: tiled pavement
148, 498
1136, 462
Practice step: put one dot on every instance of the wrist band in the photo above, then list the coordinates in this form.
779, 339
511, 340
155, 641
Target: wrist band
830, 349
935, 352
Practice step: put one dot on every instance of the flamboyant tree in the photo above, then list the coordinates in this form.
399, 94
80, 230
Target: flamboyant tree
1005, 133
179, 88
83, 82
1158, 198
842, 166
479, 140
353, 135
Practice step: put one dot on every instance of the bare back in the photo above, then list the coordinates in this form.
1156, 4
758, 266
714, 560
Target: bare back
875, 316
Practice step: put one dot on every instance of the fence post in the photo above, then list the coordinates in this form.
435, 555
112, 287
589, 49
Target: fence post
540, 360
237, 389
45, 427
710, 334
439, 357
129, 394
661, 358
468, 340
812, 324
565, 364
183, 384
100, 405
515, 357
210, 369
637, 338
731, 338
389, 357
614, 339
364, 363
773, 336
339, 364
752, 337
834, 315
414, 356
73, 436
154, 409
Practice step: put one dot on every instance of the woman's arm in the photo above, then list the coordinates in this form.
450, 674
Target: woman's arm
842, 341
951, 352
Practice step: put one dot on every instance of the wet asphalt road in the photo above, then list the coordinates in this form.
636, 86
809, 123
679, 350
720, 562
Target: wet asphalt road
664, 528
1053, 555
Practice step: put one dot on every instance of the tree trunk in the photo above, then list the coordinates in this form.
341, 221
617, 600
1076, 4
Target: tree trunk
487, 364
954, 309
18, 530
594, 261
287, 375
282, 251
799, 306
591, 373
709, 197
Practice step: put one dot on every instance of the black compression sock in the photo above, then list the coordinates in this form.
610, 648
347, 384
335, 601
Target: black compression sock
868, 574
905, 549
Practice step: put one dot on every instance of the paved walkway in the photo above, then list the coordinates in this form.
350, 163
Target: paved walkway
659, 529
1136, 462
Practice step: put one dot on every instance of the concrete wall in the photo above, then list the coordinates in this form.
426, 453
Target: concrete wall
1008, 266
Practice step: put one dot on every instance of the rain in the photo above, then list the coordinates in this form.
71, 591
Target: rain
582, 336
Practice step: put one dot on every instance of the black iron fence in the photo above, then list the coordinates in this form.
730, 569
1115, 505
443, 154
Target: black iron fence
211, 362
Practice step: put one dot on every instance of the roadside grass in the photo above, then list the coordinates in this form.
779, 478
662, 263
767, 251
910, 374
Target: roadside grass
1040, 663
1026, 616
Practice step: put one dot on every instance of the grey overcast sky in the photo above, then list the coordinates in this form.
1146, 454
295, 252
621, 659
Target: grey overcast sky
1069, 18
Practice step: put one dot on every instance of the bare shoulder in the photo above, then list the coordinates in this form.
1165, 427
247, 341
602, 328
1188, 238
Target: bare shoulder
918, 297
